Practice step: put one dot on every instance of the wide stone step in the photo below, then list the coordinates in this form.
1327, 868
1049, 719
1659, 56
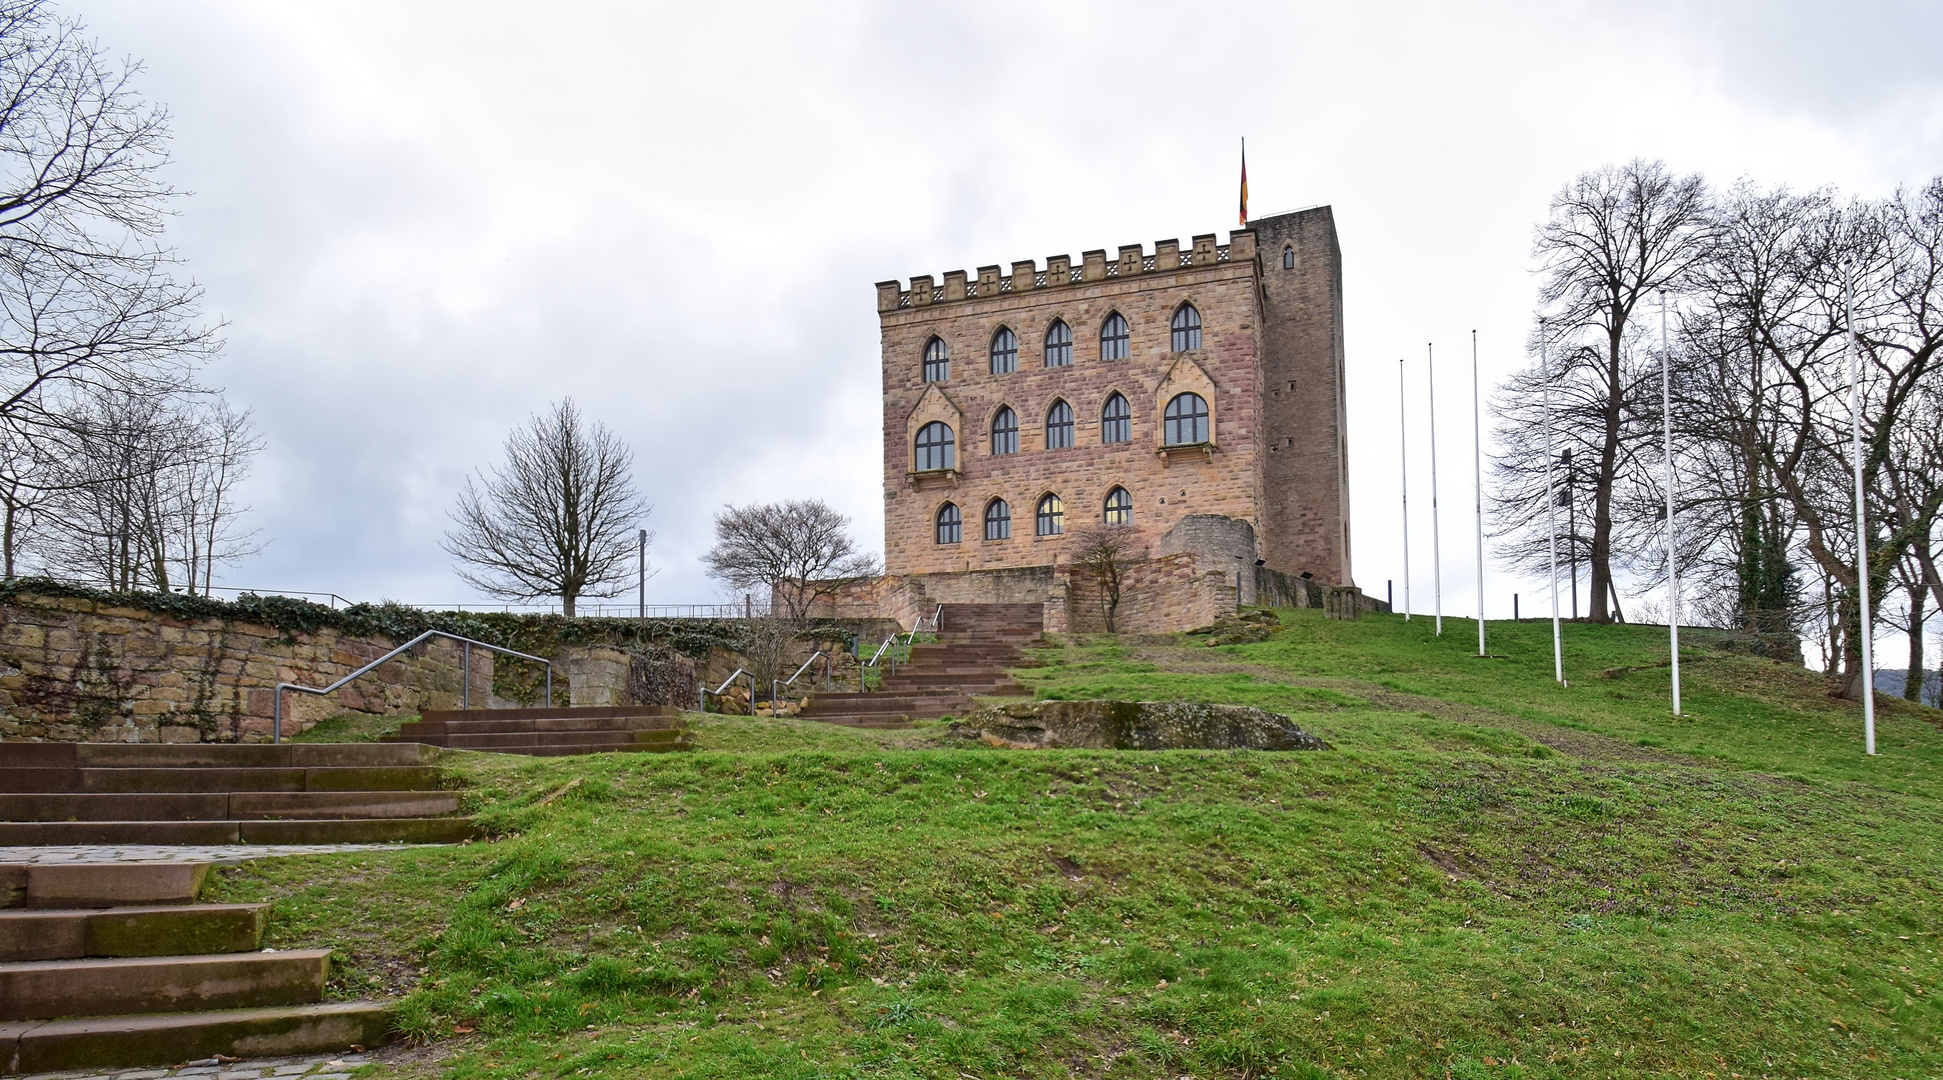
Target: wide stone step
584, 712
493, 741
100, 885
44, 990
887, 723
434, 728
570, 749
436, 830
118, 779
167, 1038
238, 806
209, 755
131, 931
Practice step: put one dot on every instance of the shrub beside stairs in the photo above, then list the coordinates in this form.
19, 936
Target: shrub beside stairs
115, 964
976, 643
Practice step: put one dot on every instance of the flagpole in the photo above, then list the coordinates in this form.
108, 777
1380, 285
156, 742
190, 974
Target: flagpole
1551, 505
1672, 544
1861, 517
1403, 441
1436, 530
1477, 467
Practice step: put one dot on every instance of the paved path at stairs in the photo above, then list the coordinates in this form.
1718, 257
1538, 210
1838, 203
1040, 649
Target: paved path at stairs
551, 732
976, 643
106, 965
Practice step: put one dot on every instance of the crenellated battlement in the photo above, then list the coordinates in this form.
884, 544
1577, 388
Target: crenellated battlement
1060, 270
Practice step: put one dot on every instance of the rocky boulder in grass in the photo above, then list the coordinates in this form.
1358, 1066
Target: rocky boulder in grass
1134, 725
1241, 628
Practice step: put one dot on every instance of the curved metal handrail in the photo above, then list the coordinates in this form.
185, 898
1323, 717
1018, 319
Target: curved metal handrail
705, 691
776, 684
276, 711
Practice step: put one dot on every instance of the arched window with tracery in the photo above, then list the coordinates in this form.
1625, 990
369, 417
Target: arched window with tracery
998, 520
950, 524
1050, 520
1119, 507
936, 448
1187, 328
1005, 431
1114, 338
1059, 426
1005, 352
937, 360
1116, 420
1288, 258
1059, 344
1186, 420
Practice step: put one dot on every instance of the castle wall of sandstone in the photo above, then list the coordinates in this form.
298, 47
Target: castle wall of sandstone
1165, 485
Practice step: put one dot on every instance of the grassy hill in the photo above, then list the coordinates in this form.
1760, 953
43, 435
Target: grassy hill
1488, 875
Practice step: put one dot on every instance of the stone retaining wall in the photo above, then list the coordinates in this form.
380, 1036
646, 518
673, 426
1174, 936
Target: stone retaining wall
81, 670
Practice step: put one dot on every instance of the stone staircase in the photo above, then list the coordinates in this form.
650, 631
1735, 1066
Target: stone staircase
644, 729
206, 794
976, 643
106, 965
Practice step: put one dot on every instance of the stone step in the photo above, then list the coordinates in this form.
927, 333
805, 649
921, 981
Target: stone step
411, 731
435, 830
888, 723
495, 740
585, 712
100, 885
18, 755
570, 749
237, 806
168, 1038
131, 931
133, 779
46, 989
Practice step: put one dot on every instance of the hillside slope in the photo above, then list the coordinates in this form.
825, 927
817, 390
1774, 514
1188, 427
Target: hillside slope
1487, 876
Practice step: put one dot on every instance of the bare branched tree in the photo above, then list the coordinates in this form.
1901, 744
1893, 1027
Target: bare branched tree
1615, 238
1106, 552
800, 551
558, 518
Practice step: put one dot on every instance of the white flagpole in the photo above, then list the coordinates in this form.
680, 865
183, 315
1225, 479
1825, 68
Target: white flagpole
1672, 547
1403, 421
1436, 530
1477, 467
1861, 519
1551, 506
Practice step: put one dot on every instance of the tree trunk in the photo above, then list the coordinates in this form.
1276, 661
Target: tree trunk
1913, 680
1601, 555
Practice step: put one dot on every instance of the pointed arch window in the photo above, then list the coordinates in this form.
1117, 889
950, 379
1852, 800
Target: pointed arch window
998, 520
1119, 507
950, 524
1187, 420
1187, 328
1050, 520
1059, 426
1114, 338
1005, 431
1059, 344
937, 360
1116, 421
937, 448
1005, 352
1288, 258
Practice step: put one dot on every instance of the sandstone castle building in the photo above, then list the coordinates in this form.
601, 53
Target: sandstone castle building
1192, 394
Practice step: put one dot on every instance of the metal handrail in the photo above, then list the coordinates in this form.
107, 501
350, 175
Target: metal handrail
276, 712
774, 684
705, 691
873, 662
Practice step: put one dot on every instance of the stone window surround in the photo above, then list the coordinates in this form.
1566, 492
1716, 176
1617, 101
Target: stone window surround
1061, 314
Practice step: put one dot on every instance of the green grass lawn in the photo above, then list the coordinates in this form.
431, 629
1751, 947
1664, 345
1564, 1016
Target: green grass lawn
1487, 876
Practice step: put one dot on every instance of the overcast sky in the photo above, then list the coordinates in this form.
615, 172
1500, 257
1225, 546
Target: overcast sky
423, 222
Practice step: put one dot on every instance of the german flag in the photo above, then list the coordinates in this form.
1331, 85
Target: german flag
1244, 183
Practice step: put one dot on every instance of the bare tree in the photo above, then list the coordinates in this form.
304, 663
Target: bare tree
1106, 552
800, 551
1616, 236
557, 519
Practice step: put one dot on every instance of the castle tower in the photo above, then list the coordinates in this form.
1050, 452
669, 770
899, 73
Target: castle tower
1194, 394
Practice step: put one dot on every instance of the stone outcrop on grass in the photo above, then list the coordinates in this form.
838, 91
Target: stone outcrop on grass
1134, 725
